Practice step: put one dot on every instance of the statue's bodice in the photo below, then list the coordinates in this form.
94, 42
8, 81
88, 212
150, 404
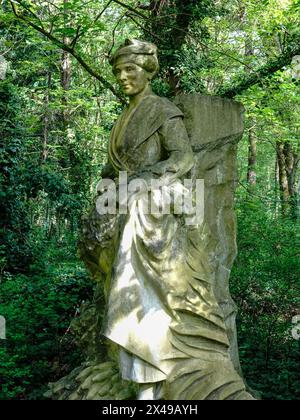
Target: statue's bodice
139, 140
146, 154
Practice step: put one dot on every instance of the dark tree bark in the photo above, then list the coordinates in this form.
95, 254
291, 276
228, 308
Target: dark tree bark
292, 159
168, 27
252, 147
252, 138
46, 119
262, 73
65, 71
276, 186
283, 180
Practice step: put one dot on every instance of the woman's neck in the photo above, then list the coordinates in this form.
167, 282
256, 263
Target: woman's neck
136, 99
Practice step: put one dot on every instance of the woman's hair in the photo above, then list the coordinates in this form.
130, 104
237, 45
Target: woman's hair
141, 53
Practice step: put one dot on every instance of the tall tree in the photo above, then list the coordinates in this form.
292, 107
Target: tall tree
169, 24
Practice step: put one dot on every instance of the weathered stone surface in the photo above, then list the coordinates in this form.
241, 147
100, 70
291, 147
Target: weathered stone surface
210, 119
215, 126
214, 145
92, 381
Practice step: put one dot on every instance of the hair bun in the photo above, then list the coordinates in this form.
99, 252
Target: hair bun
134, 46
142, 53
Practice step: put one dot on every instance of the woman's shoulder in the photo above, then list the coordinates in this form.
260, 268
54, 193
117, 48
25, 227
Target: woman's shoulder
164, 106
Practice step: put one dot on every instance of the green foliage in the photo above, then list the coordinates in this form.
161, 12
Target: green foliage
53, 144
38, 309
42, 283
14, 224
265, 285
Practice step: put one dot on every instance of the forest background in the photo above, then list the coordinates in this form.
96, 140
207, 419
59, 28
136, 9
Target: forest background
58, 102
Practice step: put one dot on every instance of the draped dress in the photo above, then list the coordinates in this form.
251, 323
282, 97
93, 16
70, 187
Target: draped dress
148, 268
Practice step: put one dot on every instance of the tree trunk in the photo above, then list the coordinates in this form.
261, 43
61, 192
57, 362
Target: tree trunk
169, 25
65, 73
46, 119
252, 138
66, 70
291, 165
251, 172
276, 184
283, 180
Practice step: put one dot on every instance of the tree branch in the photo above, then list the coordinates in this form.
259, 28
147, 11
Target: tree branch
77, 36
267, 70
102, 11
29, 10
114, 32
131, 9
70, 50
145, 29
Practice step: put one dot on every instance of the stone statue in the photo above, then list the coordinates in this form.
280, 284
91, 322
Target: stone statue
170, 333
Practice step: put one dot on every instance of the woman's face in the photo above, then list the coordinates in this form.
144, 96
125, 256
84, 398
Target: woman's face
132, 78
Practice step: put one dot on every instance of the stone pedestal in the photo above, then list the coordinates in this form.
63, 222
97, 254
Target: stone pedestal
215, 126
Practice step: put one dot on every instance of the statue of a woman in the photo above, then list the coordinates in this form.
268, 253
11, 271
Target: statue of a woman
161, 309
148, 141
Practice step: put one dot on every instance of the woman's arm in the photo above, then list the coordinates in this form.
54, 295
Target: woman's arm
176, 143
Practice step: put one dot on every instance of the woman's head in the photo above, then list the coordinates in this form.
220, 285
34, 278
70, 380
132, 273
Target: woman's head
137, 58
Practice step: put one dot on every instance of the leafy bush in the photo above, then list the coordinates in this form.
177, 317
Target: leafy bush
265, 285
38, 309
